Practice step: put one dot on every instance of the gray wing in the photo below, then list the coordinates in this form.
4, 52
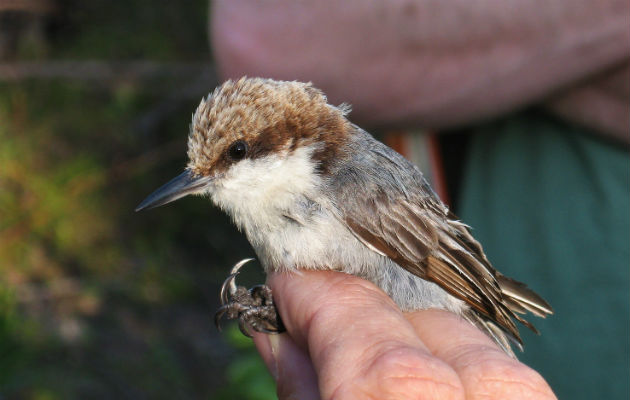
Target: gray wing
386, 202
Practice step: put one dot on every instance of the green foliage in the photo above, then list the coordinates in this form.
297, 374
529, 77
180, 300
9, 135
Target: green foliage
95, 300
50, 208
10, 353
247, 376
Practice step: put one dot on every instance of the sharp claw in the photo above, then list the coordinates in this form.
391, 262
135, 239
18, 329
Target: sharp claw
243, 328
269, 331
229, 285
258, 296
218, 315
239, 264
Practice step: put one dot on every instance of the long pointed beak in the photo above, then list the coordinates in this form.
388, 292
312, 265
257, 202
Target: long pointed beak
180, 186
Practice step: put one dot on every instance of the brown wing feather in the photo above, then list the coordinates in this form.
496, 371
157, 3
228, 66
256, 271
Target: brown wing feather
402, 219
429, 251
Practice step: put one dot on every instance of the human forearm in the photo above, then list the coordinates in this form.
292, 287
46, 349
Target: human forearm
600, 104
436, 63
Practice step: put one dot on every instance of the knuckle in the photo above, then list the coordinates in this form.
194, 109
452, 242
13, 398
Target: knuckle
508, 379
405, 373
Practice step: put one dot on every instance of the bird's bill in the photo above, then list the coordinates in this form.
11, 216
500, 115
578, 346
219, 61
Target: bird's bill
180, 186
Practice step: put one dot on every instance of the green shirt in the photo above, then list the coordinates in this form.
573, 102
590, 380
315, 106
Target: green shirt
551, 205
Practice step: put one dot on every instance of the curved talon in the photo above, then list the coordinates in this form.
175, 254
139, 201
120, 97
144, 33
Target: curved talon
278, 327
254, 307
230, 281
243, 328
218, 315
271, 331
239, 264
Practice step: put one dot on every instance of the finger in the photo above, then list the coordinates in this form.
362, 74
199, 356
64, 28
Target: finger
289, 365
358, 340
485, 370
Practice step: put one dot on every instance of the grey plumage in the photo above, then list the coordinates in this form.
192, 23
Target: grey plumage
386, 203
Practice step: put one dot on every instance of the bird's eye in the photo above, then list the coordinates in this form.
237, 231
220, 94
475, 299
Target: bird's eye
237, 150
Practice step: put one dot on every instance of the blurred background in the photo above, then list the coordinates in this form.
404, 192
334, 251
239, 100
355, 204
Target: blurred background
97, 301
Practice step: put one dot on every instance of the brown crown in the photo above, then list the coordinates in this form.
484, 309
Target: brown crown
270, 116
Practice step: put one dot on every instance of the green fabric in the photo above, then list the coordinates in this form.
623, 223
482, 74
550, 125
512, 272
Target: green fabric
551, 205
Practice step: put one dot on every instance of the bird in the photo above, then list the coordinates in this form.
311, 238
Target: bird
313, 191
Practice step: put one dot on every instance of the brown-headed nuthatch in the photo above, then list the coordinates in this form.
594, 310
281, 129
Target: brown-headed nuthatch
312, 190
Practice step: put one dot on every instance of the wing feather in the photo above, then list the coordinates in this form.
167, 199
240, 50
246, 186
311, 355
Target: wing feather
403, 219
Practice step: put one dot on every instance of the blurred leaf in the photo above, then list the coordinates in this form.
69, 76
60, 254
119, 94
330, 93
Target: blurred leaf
97, 301
247, 374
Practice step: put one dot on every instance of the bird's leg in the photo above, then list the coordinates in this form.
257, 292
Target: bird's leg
254, 308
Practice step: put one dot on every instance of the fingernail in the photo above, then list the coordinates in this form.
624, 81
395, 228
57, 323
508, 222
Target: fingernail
289, 365
275, 344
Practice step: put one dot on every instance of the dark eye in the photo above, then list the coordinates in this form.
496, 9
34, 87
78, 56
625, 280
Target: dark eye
237, 150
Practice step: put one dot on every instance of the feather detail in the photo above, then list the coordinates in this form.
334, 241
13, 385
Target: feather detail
517, 292
402, 219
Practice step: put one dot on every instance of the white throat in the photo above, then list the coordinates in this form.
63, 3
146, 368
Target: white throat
257, 193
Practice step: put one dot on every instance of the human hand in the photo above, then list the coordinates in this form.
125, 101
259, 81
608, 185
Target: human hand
346, 339
600, 103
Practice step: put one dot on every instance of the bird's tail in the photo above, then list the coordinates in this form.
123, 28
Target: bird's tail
520, 300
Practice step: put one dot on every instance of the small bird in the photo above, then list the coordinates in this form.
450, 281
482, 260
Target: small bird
311, 190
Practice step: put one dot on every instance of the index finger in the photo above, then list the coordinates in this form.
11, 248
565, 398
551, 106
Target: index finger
485, 370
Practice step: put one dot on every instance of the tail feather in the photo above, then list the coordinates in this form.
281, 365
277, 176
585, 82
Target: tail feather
522, 297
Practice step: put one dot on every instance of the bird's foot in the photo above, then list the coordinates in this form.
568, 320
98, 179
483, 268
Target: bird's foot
254, 308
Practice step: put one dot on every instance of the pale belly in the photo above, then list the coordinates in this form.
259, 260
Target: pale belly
328, 245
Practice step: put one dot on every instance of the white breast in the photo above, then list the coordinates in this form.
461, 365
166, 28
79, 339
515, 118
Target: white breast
277, 201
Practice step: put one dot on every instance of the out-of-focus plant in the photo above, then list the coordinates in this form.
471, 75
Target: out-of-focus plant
97, 301
50, 209
248, 378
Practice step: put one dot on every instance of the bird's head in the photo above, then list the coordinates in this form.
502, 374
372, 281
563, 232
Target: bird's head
251, 130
